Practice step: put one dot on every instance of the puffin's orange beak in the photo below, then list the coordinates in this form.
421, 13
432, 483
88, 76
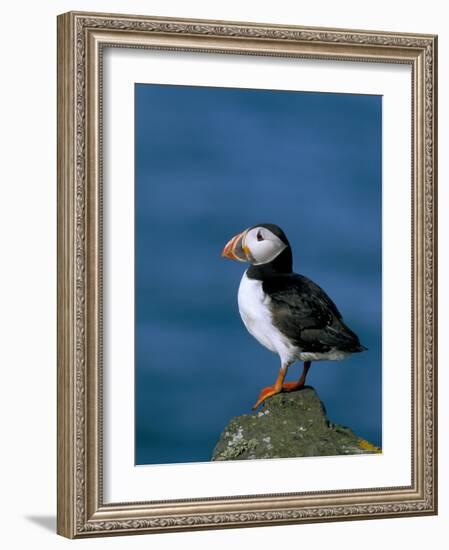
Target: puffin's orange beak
234, 249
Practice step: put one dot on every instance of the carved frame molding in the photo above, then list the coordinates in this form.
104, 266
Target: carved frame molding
81, 39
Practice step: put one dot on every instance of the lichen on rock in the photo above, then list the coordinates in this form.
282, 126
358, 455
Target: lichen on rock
288, 425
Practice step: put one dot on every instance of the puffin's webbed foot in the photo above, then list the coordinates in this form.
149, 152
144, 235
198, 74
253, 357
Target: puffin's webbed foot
292, 386
265, 394
269, 391
279, 385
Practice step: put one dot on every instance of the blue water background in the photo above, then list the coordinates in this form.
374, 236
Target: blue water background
209, 163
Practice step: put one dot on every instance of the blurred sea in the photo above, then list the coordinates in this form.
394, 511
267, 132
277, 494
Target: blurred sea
211, 162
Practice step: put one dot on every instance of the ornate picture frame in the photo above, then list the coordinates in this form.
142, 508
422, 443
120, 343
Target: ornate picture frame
82, 40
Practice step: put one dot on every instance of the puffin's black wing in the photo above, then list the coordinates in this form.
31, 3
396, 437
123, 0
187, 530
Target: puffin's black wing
307, 316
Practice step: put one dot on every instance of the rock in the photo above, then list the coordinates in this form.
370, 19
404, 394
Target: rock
288, 425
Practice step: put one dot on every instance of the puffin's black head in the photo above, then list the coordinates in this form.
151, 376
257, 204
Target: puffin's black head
261, 244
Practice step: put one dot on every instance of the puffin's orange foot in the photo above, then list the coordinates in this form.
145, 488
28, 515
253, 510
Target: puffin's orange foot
264, 394
271, 390
292, 386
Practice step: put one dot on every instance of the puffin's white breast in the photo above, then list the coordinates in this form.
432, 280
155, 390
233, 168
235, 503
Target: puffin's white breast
256, 315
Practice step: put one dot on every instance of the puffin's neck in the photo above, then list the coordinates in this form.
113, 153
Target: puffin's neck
281, 265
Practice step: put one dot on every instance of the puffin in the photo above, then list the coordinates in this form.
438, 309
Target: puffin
286, 312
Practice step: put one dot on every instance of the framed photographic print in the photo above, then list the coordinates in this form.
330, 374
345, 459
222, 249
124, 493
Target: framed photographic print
297, 382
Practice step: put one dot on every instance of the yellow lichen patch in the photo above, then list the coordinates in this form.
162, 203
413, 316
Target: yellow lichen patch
367, 446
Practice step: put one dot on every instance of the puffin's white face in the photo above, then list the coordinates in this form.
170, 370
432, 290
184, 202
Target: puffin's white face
261, 245
257, 245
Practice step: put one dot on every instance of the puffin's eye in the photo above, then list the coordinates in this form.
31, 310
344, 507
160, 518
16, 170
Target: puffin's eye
259, 235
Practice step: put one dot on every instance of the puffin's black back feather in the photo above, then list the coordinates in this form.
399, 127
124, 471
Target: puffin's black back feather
304, 313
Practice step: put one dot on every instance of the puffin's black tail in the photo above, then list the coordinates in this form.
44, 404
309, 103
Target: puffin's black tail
360, 348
